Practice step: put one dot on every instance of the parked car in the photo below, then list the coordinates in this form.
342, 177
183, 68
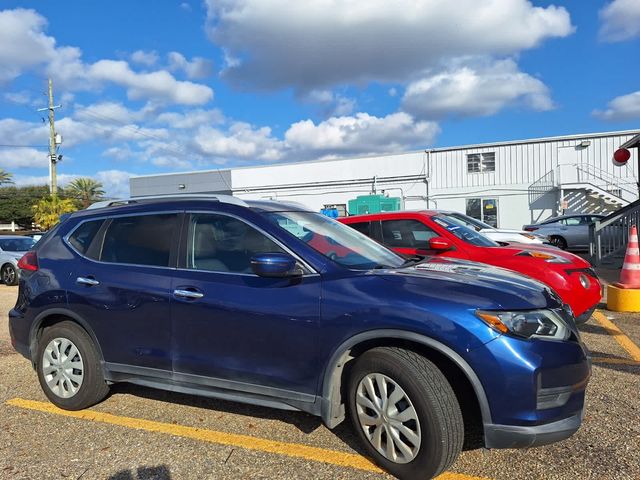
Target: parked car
568, 232
36, 235
269, 304
12, 248
500, 235
437, 233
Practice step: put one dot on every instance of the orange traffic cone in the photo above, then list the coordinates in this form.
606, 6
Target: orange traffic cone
630, 273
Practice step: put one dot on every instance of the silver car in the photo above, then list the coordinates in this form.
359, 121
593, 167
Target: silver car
569, 232
12, 248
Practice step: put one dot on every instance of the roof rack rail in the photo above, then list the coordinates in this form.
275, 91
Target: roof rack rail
186, 196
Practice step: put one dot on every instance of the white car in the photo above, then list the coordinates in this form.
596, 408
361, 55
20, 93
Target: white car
501, 235
12, 248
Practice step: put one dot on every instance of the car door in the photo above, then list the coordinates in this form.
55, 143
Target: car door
233, 329
121, 286
576, 231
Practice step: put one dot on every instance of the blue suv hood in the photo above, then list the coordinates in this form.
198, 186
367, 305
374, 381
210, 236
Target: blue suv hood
499, 287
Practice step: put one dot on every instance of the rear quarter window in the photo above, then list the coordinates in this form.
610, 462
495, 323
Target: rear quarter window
140, 240
84, 235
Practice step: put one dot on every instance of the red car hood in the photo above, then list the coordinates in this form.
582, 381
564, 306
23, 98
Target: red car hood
513, 249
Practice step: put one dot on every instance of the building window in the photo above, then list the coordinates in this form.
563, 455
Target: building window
481, 162
483, 209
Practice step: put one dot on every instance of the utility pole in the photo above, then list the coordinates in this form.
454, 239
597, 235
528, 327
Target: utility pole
54, 141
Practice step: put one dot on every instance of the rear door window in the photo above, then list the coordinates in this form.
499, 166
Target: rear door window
362, 227
140, 240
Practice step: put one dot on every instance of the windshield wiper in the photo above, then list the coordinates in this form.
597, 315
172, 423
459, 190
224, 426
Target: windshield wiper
413, 260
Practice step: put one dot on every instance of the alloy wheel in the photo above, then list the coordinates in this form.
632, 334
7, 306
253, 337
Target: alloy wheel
8, 275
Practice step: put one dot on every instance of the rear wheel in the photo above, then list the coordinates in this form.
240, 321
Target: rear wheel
405, 413
558, 241
69, 367
9, 275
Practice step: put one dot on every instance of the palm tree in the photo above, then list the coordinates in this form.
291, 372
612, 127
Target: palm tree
47, 211
5, 177
87, 190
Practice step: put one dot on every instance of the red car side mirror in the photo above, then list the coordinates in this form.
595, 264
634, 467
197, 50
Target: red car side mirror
440, 244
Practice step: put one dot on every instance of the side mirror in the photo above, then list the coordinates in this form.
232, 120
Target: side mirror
440, 244
275, 265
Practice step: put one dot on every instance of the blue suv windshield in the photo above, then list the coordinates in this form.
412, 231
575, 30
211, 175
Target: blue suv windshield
336, 241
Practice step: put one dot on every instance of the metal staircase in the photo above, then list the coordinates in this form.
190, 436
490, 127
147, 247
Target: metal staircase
608, 237
604, 191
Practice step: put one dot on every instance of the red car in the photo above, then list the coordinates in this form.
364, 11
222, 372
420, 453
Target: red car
437, 233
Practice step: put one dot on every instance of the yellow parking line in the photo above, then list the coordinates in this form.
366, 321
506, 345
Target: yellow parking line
624, 341
294, 450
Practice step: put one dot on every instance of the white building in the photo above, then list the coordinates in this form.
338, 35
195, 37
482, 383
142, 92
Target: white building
506, 183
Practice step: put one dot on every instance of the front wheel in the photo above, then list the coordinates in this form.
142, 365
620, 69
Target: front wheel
558, 241
69, 367
405, 413
9, 275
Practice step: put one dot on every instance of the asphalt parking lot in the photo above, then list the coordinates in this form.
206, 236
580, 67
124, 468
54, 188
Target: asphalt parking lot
139, 433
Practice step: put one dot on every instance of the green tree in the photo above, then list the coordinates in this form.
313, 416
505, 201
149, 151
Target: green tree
5, 177
47, 211
86, 190
16, 203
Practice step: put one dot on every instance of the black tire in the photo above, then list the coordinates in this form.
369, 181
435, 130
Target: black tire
440, 419
9, 275
558, 241
93, 387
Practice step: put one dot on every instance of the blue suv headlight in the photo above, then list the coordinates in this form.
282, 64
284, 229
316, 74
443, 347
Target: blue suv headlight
544, 324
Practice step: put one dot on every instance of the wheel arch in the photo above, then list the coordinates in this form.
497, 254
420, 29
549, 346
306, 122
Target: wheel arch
332, 401
52, 316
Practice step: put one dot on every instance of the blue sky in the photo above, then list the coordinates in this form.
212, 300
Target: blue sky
160, 86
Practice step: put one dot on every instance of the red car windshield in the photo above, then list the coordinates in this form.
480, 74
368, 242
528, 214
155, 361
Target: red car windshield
336, 241
464, 233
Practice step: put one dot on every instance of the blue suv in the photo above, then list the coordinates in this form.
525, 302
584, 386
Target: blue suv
270, 304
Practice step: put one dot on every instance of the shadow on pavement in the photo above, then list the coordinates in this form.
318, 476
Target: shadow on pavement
161, 472
591, 328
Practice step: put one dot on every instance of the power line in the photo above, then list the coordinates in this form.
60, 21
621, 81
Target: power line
23, 146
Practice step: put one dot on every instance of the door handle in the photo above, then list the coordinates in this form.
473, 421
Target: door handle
91, 282
189, 294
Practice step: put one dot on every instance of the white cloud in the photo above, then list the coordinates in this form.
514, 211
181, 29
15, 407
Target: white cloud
20, 132
198, 67
359, 134
620, 21
147, 59
320, 43
241, 141
191, 119
480, 88
13, 158
23, 44
115, 182
159, 84
118, 153
19, 98
334, 105
109, 112
624, 107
